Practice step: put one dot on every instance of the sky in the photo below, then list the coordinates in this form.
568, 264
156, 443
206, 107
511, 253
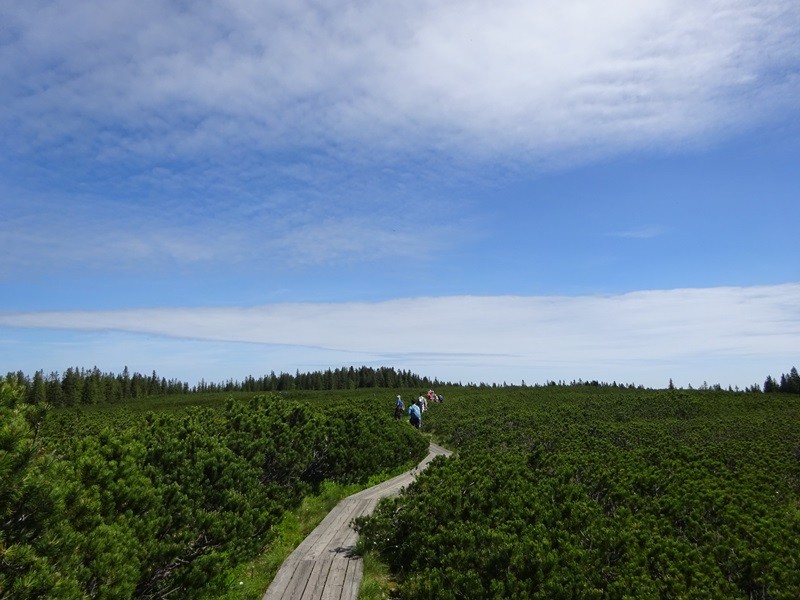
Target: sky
493, 192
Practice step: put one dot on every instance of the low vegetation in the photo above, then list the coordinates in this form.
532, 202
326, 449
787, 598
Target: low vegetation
170, 503
582, 490
601, 492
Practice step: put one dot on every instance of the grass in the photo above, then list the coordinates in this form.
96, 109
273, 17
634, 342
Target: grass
377, 583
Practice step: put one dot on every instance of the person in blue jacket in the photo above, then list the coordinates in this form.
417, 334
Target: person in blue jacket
398, 408
415, 413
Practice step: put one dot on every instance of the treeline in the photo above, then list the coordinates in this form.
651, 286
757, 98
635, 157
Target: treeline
337, 379
165, 507
78, 386
789, 383
91, 386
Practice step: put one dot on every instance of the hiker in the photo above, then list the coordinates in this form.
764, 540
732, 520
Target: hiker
399, 407
415, 412
423, 404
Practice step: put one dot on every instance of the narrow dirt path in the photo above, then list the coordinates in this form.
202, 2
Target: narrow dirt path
322, 567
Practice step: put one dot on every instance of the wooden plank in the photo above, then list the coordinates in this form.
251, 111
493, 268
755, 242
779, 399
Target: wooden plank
331, 522
299, 580
319, 578
335, 583
335, 536
352, 579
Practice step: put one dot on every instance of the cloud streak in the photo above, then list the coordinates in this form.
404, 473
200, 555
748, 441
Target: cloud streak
660, 326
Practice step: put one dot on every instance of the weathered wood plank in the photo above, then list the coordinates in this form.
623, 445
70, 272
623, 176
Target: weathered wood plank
335, 583
299, 581
352, 579
332, 533
325, 565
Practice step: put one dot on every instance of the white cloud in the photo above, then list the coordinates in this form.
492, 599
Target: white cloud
548, 79
667, 332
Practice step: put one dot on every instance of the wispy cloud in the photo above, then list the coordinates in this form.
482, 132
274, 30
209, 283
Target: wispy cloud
659, 327
639, 233
157, 79
332, 241
288, 229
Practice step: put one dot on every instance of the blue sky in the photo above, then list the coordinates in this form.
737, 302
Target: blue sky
474, 191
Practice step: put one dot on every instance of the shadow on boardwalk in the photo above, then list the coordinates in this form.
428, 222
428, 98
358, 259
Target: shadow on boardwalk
323, 565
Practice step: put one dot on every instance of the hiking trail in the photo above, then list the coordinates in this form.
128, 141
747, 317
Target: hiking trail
323, 566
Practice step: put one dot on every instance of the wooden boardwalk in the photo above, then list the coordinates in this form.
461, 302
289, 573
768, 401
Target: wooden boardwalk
323, 567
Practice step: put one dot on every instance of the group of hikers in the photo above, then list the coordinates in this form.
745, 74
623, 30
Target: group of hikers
419, 406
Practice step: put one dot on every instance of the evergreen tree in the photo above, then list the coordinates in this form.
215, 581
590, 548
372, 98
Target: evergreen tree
31, 506
92, 392
72, 385
793, 382
126, 383
38, 391
53, 390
